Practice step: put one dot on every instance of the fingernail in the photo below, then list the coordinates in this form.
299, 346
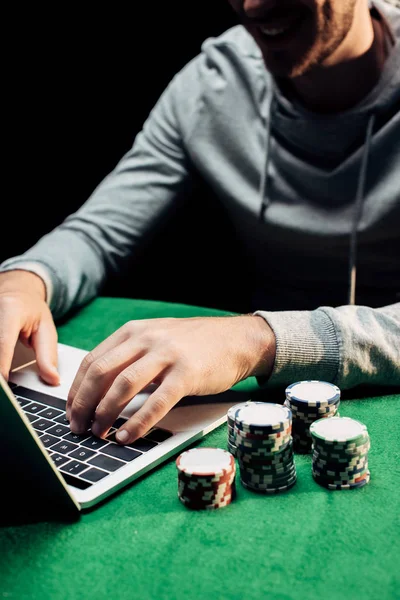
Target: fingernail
52, 377
122, 436
96, 429
75, 427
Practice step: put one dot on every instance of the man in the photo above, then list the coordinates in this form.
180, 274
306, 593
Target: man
293, 120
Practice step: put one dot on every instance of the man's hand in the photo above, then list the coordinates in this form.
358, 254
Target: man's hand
183, 357
24, 315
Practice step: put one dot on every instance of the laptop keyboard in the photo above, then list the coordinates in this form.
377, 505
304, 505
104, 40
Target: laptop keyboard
82, 459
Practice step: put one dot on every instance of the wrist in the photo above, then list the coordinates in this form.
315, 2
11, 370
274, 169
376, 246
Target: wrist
263, 352
22, 280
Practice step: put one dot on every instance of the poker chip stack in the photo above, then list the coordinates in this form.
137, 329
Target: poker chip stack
264, 447
231, 441
340, 453
308, 402
206, 478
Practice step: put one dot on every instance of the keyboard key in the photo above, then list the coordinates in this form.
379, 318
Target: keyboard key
143, 444
62, 419
48, 440
94, 475
75, 480
121, 452
94, 443
50, 413
59, 459
76, 438
140, 444
59, 430
73, 467
64, 447
82, 453
32, 418
158, 435
106, 462
33, 408
22, 401
42, 424
40, 397
119, 422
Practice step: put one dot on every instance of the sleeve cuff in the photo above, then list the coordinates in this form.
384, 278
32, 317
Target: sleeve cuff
306, 346
33, 267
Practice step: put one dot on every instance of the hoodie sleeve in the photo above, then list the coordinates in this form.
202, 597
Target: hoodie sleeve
101, 236
347, 345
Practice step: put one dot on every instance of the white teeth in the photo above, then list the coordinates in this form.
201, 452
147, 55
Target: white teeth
273, 30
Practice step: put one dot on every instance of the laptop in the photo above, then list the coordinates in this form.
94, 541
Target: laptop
48, 473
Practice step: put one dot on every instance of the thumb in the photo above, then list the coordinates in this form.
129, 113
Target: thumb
44, 343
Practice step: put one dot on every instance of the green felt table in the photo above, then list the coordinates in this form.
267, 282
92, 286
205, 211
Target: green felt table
144, 544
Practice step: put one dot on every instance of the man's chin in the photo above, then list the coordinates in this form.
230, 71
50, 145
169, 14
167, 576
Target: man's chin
283, 67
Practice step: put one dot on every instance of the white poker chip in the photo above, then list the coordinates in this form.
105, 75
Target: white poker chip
205, 462
263, 415
313, 393
233, 410
338, 429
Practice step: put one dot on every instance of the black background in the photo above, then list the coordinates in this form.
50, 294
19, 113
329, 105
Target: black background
79, 85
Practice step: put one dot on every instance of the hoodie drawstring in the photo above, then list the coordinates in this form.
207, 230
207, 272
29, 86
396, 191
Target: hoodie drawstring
359, 200
358, 210
265, 177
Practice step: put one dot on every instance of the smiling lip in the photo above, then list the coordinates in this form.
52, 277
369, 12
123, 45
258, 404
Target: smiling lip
283, 31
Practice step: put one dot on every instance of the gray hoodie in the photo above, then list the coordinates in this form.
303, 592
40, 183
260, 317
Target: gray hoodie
313, 198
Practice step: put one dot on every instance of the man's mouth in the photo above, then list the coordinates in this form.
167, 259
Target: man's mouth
273, 31
282, 28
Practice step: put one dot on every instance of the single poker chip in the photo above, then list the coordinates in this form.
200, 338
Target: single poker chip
312, 393
339, 430
205, 462
261, 418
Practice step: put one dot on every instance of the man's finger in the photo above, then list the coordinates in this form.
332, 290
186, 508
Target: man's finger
8, 341
157, 405
123, 387
44, 343
116, 339
87, 391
